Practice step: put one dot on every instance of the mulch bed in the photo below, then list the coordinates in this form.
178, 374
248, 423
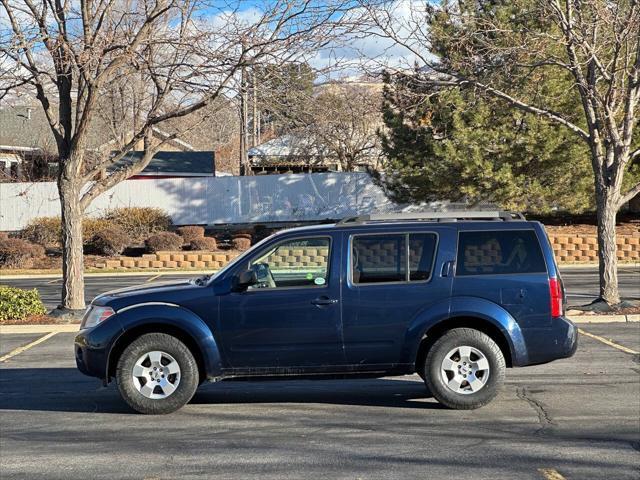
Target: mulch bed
36, 320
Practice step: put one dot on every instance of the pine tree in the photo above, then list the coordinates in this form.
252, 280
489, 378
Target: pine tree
451, 144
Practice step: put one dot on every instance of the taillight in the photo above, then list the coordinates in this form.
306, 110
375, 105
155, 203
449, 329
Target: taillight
555, 291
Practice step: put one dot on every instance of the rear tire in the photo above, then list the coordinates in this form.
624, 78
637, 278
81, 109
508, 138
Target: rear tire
157, 374
464, 369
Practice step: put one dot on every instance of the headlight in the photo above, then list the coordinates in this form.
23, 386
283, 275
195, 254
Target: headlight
96, 315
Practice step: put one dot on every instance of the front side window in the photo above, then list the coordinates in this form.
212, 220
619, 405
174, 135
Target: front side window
499, 252
392, 258
293, 263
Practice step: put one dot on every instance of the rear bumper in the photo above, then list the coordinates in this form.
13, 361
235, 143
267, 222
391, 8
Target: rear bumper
553, 343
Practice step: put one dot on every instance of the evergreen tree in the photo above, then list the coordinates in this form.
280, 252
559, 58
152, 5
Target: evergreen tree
451, 144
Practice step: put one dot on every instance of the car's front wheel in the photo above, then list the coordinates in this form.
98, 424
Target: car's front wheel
157, 374
464, 369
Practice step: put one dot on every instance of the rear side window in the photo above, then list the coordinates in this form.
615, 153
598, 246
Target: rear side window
499, 252
392, 258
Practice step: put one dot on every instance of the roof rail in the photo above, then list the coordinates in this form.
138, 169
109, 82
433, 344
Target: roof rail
452, 216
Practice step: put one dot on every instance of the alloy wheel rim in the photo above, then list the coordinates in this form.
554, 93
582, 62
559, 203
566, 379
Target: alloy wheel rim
465, 370
156, 375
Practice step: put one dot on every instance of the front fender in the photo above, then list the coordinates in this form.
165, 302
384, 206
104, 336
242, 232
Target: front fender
178, 317
464, 306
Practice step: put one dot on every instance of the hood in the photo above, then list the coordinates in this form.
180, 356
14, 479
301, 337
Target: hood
171, 292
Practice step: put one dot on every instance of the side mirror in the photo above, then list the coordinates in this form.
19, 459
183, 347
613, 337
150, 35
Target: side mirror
245, 279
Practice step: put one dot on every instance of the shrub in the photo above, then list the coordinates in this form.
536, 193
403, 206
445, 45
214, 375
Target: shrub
91, 226
45, 231
190, 233
18, 253
204, 243
110, 241
139, 222
163, 241
241, 241
18, 304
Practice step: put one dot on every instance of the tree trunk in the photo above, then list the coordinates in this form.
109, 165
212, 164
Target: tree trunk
607, 207
72, 255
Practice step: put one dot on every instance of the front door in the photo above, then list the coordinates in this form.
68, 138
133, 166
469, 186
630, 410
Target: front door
291, 318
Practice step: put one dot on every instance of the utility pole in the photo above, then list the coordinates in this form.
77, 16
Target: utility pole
256, 112
245, 168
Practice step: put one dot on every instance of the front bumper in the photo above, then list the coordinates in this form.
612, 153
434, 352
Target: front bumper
92, 347
553, 343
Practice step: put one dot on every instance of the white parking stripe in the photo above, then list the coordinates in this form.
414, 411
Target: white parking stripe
19, 350
608, 342
551, 474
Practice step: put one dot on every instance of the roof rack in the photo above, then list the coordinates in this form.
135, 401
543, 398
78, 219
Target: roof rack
452, 216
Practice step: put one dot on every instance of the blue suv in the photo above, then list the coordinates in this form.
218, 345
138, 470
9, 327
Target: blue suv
454, 297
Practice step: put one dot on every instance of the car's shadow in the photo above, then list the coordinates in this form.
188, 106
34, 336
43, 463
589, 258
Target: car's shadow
66, 390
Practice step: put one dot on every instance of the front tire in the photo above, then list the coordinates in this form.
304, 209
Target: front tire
157, 374
464, 369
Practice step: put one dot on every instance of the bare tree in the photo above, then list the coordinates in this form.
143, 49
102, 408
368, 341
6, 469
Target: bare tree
344, 123
513, 54
162, 59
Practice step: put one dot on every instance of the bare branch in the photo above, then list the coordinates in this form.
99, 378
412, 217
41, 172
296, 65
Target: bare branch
627, 196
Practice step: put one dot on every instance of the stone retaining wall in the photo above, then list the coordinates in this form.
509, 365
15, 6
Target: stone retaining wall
212, 260
584, 248
568, 249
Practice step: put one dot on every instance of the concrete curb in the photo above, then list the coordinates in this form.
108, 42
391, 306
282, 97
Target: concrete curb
589, 265
63, 328
603, 318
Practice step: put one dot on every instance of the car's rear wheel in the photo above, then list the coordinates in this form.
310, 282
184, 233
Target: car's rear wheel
157, 374
464, 369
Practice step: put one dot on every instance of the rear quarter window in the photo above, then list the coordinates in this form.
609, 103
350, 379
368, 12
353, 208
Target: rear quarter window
499, 252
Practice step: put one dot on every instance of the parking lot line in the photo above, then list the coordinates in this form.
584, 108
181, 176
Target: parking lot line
153, 278
23, 348
608, 342
551, 474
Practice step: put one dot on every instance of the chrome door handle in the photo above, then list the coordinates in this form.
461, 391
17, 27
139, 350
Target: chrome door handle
447, 269
324, 301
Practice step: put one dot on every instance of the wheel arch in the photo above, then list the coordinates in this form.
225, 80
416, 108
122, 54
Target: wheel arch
175, 321
132, 334
463, 321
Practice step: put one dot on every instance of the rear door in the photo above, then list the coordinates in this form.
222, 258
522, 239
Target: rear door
391, 277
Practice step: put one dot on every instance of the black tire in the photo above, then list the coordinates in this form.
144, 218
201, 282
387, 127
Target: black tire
451, 340
186, 387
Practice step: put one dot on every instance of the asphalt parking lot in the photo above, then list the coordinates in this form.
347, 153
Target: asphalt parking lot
573, 419
581, 284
